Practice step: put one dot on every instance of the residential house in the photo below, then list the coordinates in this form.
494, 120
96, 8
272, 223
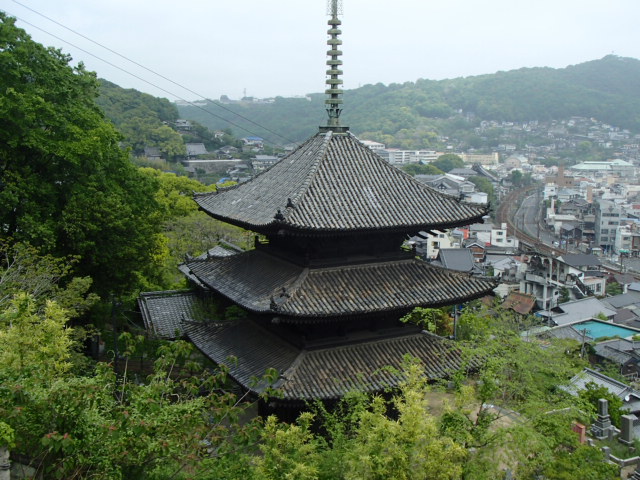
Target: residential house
477, 249
589, 271
183, 125
458, 259
623, 353
607, 220
195, 149
428, 245
577, 311
152, 153
228, 151
262, 162
256, 142
520, 303
629, 396
550, 279
449, 184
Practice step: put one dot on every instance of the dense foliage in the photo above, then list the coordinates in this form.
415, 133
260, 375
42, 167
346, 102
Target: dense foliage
143, 120
67, 186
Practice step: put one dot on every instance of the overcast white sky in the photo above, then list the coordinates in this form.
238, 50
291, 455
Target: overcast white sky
270, 48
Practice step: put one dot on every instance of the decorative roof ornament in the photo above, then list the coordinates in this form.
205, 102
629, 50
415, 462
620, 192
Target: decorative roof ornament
333, 91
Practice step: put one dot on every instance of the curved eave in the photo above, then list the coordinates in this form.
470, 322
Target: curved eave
334, 184
264, 284
278, 225
287, 319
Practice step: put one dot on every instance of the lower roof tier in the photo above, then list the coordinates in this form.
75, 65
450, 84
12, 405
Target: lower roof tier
266, 284
321, 374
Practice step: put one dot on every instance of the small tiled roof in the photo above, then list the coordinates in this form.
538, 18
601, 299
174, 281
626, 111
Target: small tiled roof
264, 283
612, 354
579, 311
579, 382
566, 332
194, 149
458, 259
581, 260
622, 300
521, 303
164, 312
332, 183
325, 373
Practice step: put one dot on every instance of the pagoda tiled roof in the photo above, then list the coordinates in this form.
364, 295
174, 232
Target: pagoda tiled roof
248, 350
164, 312
264, 283
333, 183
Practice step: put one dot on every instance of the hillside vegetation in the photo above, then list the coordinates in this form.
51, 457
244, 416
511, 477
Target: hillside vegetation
416, 113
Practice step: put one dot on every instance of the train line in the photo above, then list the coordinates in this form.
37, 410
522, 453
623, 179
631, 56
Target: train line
505, 213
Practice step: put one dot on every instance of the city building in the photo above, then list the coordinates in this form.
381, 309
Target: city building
607, 220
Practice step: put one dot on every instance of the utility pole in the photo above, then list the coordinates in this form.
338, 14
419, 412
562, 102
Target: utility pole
539, 216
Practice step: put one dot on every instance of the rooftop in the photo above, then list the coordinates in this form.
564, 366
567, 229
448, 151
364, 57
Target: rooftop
328, 373
332, 183
264, 283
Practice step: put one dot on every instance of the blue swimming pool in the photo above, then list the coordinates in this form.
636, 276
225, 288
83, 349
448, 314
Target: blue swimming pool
596, 329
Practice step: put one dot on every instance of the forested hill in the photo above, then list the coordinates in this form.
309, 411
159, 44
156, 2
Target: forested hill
607, 89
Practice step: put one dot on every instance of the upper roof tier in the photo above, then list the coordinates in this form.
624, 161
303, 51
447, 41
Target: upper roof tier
333, 183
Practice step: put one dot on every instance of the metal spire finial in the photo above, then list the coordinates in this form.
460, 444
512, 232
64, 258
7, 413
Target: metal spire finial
333, 91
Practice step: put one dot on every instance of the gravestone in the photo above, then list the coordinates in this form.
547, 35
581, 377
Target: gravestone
601, 427
626, 435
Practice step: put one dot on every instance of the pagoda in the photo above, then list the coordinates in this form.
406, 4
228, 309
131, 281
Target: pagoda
328, 280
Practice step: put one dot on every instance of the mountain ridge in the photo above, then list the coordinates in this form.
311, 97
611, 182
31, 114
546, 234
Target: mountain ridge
607, 89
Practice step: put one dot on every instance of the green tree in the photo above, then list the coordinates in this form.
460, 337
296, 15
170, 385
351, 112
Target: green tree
516, 177
186, 230
421, 169
34, 346
434, 320
67, 187
448, 162
614, 288
45, 277
592, 393
106, 427
483, 184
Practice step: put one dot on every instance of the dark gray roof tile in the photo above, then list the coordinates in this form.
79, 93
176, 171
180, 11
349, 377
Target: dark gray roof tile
333, 183
248, 350
163, 312
263, 283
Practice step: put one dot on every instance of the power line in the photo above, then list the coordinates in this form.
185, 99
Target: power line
149, 70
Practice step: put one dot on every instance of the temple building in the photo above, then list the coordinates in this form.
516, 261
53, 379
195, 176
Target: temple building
328, 280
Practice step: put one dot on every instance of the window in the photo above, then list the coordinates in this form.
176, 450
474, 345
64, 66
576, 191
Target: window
435, 244
604, 230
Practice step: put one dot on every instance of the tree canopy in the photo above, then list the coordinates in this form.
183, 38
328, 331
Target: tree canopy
448, 162
67, 186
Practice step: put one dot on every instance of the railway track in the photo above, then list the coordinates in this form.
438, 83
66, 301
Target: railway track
505, 213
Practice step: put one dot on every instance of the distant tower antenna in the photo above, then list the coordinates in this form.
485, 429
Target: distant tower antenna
333, 91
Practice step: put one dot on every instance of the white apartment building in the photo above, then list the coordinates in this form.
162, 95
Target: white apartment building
396, 156
623, 242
